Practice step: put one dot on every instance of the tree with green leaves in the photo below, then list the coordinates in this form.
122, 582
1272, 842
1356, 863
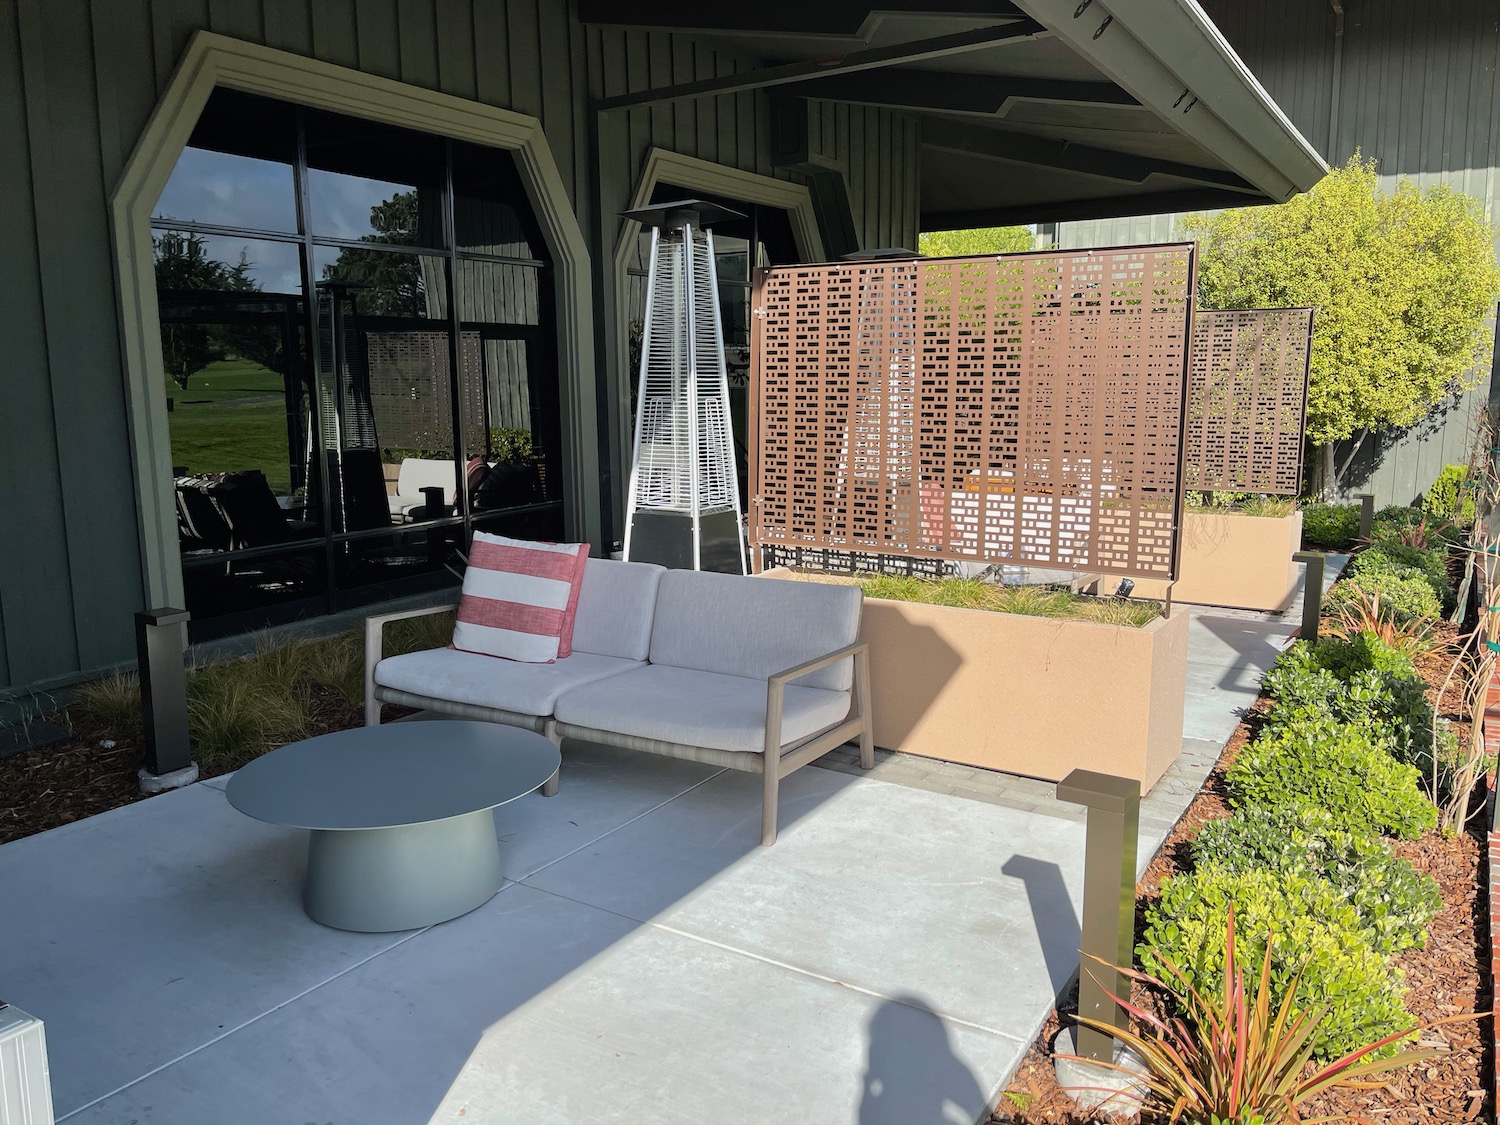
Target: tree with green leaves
970, 243
1402, 283
392, 283
184, 264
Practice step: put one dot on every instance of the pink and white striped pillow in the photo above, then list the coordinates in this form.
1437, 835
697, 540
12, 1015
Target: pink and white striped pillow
520, 598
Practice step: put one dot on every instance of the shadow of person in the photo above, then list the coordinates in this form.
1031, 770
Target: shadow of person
912, 1076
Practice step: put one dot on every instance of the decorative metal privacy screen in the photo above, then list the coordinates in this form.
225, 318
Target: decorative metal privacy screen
1247, 398
1024, 409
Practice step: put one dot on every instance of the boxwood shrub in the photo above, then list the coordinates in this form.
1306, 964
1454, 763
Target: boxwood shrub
1361, 681
1317, 934
1393, 901
1331, 527
1397, 560
1404, 597
1344, 768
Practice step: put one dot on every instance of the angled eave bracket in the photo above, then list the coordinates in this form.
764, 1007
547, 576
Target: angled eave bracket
1169, 56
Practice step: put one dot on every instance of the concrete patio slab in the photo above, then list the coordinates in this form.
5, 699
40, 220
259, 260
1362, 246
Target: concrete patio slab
1217, 697
1219, 640
973, 906
892, 955
149, 930
183, 916
535, 1009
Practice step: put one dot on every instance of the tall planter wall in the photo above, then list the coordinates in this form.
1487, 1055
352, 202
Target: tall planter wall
1028, 695
1229, 559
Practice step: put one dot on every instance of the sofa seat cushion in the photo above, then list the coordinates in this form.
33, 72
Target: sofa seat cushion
506, 685
707, 709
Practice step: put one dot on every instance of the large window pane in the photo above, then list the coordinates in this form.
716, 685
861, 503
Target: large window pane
237, 168
374, 183
385, 377
232, 351
491, 214
509, 379
501, 293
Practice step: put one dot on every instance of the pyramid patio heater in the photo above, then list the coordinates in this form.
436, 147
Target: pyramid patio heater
684, 503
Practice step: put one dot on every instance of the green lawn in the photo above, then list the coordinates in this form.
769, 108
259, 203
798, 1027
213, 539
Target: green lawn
232, 416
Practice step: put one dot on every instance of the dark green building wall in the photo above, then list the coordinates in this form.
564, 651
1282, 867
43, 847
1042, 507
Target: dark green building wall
1416, 85
79, 80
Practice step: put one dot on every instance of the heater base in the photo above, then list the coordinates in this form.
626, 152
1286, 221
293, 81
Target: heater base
666, 538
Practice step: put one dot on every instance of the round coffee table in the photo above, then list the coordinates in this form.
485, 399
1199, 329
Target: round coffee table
402, 833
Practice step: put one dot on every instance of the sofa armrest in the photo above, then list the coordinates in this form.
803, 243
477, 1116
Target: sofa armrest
776, 686
797, 671
375, 649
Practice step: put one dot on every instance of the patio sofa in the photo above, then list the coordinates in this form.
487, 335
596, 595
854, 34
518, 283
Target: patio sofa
682, 663
417, 473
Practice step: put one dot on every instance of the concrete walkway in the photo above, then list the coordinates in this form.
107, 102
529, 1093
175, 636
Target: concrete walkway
888, 962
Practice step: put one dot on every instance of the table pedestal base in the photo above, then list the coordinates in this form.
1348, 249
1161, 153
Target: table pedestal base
376, 880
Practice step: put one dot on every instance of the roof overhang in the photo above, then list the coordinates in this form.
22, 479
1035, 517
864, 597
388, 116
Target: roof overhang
1030, 110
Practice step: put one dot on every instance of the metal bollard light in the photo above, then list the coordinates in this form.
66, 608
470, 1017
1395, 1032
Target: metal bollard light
160, 641
1312, 594
1366, 514
1108, 930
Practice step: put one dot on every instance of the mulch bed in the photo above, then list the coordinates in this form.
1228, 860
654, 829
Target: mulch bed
1449, 976
42, 789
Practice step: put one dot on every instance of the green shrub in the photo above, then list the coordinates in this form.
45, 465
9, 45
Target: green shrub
1393, 901
1361, 682
1450, 498
1397, 560
1330, 527
1316, 933
1413, 527
1344, 768
1344, 659
1403, 596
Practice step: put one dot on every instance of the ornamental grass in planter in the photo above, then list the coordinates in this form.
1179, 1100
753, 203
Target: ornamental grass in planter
1030, 680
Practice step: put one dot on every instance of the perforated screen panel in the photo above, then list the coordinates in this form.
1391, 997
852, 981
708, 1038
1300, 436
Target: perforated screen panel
1247, 398
1024, 409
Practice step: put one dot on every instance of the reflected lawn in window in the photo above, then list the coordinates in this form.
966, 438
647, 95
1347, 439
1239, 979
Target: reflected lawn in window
232, 416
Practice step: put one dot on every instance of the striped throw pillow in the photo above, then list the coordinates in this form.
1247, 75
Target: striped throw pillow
520, 598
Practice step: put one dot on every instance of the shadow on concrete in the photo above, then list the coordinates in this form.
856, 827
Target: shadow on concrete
913, 1077
1057, 923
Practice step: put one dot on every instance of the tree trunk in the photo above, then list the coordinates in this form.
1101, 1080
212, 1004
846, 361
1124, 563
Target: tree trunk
1325, 474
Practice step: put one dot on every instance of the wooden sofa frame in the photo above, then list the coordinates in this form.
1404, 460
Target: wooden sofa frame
787, 757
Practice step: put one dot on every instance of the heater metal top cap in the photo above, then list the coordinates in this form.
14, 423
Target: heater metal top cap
674, 216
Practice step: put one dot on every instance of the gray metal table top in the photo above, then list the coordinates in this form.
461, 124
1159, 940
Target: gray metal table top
393, 775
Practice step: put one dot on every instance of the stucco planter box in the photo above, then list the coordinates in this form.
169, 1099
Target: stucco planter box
1235, 560
1027, 695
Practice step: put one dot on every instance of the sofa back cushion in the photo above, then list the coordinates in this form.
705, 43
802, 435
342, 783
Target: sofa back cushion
615, 608
754, 627
418, 473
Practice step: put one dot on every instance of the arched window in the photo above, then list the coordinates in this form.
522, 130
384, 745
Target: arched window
359, 341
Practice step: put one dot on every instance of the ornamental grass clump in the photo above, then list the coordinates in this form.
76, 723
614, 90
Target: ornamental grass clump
1240, 1054
1324, 958
1345, 768
1405, 598
1393, 901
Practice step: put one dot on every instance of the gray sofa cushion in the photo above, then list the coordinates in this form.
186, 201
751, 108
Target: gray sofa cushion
615, 607
488, 681
697, 708
754, 627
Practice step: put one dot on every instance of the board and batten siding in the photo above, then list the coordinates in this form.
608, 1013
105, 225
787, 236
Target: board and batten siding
78, 81
1418, 90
